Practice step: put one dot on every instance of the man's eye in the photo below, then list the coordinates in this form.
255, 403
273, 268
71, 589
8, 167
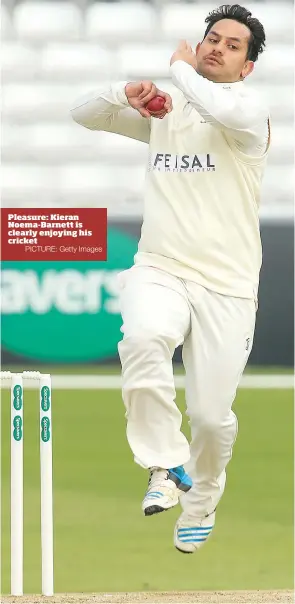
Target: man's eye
212, 40
233, 46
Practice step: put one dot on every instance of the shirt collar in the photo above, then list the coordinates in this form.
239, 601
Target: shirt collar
238, 84
229, 85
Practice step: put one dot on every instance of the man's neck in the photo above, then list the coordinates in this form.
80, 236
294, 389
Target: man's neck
217, 81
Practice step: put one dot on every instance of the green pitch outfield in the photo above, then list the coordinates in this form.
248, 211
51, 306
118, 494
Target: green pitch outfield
102, 540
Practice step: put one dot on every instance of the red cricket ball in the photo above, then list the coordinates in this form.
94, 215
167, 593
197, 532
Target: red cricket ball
156, 104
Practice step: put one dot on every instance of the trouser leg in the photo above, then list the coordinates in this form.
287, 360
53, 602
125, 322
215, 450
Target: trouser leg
215, 354
156, 318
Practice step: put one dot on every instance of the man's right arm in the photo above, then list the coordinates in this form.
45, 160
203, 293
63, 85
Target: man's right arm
108, 109
121, 108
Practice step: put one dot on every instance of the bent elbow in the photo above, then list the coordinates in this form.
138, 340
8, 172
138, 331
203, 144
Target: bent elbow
79, 116
74, 113
85, 113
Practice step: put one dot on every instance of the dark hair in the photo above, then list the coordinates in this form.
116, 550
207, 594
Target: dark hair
242, 15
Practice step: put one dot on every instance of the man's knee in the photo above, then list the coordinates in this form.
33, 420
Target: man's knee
210, 422
146, 346
146, 361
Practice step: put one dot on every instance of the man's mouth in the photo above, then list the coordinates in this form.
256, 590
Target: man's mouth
213, 59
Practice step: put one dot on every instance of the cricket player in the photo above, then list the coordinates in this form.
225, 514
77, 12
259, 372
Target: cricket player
195, 277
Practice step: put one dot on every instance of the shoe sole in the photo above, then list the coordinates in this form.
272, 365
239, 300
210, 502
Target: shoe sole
154, 509
182, 550
157, 509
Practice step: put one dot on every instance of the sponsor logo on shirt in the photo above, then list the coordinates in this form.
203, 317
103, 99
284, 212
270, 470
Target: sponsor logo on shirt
170, 162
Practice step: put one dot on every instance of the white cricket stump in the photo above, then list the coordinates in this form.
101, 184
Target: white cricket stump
16, 480
46, 485
16, 477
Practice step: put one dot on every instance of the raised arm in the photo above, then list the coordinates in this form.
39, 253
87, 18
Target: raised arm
119, 109
230, 107
224, 104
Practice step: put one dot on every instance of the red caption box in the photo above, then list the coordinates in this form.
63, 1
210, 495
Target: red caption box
48, 234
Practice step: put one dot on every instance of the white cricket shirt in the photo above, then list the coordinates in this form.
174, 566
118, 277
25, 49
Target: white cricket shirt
203, 181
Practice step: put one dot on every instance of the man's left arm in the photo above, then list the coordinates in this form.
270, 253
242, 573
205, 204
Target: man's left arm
224, 106
217, 103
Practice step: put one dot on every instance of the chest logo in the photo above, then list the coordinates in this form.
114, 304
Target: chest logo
170, 162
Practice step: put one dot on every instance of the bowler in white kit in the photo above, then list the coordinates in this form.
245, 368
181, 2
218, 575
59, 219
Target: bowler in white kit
195, 277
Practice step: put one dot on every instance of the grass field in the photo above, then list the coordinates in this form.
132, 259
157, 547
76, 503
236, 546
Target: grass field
102, 540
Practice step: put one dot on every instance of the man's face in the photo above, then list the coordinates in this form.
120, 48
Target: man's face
222, 56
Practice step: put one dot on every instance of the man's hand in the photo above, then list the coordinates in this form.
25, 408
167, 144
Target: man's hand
185, 53
140, 93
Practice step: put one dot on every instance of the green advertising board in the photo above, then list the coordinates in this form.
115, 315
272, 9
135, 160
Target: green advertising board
65, 311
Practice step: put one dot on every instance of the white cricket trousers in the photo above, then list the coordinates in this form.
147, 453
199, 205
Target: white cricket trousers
160, 312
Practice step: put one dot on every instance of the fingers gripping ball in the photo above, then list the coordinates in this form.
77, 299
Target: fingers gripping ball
156, 105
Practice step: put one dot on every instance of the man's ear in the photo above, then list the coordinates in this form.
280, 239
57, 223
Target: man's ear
247, 69
198, 47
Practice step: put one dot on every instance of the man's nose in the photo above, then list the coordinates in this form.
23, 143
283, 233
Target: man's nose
218, 48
